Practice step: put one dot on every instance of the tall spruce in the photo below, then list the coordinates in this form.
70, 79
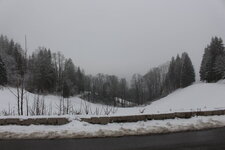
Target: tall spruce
177, 72
205, 64
170, 78
187, 71
69, 77
80, 80
208, 70
42, 72
220, 66
3, 74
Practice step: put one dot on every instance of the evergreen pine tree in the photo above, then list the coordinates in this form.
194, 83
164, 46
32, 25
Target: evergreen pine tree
220, 66
3, 75
170, 79
204, 63
187, 71
177, 71
43, 74
80, 80
208, 71
217, 50
69, 76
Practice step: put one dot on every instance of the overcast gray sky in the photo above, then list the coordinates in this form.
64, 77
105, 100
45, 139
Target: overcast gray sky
118, 37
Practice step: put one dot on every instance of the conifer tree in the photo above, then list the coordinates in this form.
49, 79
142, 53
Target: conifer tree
187, 71
80, 80
208, 71
205, 62
177, 71
220, 66
3, 75
69, 76
170, 79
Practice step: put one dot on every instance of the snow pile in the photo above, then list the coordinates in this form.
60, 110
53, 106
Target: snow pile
77, 129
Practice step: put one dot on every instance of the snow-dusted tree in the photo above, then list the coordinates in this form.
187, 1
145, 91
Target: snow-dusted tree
177, 71
42, 72
7, 53
220, 66
187, 71
207, 71
59, 63
80, 80
138, 88
69, 77
14, 59
204, 64
170, 81
217, 49
123, 90
3, 75
97, 87
113, 85
153, 83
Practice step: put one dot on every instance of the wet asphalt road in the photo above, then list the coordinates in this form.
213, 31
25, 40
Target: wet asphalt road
213, 139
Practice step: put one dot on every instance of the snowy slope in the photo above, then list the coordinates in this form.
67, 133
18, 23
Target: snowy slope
51, 102
200, 96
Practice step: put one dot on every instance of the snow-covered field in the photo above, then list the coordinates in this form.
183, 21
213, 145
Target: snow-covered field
200, 96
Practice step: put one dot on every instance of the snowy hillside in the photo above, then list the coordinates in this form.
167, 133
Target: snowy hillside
51, 104
200, 96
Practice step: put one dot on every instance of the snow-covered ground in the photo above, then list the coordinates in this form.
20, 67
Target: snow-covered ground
200, 96
51, 103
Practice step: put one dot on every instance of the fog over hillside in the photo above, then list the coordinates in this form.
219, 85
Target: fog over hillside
116, 37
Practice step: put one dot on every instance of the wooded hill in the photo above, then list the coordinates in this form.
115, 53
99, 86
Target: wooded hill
45, 72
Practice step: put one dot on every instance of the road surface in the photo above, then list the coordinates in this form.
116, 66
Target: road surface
213, 139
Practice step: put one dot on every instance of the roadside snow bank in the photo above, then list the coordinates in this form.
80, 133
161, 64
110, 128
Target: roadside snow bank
78, 129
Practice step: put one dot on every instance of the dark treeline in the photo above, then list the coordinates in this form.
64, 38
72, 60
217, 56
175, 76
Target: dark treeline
42, 72
45, 72
163, 80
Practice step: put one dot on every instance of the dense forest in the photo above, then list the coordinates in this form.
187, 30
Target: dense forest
45, 72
